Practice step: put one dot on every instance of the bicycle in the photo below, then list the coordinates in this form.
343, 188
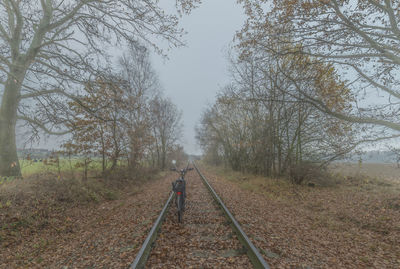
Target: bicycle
179, 187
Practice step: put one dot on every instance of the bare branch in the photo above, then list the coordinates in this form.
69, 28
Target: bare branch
39, 124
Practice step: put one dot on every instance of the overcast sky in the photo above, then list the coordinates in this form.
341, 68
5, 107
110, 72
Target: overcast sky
193, 74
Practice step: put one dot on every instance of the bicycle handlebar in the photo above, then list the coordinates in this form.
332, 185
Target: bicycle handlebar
183, 171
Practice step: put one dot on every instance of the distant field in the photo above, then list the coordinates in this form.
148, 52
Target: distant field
375, 170
29, 168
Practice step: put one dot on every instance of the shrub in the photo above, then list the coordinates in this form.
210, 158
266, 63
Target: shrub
309, 172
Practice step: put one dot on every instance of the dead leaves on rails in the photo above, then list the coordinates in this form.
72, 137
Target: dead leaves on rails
204, 240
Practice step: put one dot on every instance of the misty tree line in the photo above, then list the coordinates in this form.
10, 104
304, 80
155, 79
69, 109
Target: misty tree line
311, 80
335, 64
258, 124
53, 53
122, 116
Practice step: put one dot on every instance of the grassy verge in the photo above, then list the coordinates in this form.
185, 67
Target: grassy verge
336, 180
65, 166
273, 188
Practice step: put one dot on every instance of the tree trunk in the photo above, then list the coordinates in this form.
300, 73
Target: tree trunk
163, 159
85, 172
103, 161
9, 164
103, 150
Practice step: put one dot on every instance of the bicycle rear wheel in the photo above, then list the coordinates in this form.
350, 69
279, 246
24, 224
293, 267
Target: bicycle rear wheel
180, 208
180, 213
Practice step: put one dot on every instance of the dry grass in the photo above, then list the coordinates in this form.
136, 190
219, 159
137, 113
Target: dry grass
373, 170
273, 188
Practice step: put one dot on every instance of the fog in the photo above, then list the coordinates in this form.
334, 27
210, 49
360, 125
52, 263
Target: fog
193, 74
190, 75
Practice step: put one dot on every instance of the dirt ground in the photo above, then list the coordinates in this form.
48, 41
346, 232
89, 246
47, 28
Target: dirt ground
354, 224
107, 234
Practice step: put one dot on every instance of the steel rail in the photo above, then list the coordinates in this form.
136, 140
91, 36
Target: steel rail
254, 255
141, 257
143, 254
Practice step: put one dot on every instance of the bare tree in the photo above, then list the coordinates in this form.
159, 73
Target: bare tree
101, 134
396, 154
143, 86
166, 122
360, 38
50, 48
259, 124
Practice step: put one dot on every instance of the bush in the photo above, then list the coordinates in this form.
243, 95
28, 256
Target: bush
309, 172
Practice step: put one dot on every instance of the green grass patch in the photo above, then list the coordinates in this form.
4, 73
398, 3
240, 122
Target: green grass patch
32, 167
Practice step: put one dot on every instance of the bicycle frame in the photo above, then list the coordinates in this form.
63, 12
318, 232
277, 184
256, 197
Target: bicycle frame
181, 193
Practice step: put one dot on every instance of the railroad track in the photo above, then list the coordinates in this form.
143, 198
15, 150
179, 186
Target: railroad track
209, 236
